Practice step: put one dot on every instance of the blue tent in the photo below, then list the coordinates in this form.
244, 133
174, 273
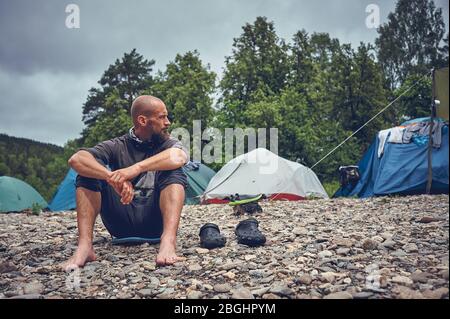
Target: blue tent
402, 169
198, 176
64, 198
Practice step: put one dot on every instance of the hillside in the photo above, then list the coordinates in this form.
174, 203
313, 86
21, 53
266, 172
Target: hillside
31, 161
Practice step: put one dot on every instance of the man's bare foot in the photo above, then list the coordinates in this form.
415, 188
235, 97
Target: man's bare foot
167, 255
82, 255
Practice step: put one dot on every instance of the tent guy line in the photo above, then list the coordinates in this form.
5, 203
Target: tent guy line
375, 116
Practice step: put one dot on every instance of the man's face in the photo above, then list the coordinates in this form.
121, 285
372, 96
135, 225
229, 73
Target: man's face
159, 122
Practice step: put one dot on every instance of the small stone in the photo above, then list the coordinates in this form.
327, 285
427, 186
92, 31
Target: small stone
249, 257
386, 235
145, 293
402, 280
230, 275
305, 279
399, 253
436, 294
444, 274
343, 251
389, 243
6, 267
427, 219
325, 254
328, 277
362, 295
194, 294
378, 239
406, 293
281, 289
420, 277
299, 231
33, 288
270, 296
148, 265
222, 288
195, 267
242, 293
339, 295
202, 250
411, 247
369, 244
27, 296
261, 291
347, 281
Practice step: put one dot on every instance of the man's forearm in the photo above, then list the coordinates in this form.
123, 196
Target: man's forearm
86, 165
169, 159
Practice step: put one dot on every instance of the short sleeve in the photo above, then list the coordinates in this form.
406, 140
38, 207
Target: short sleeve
103, 152
174, 143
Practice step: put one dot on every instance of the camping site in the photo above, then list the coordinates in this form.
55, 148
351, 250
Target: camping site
202, 151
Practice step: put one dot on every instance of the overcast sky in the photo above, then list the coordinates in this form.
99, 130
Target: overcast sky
46, 69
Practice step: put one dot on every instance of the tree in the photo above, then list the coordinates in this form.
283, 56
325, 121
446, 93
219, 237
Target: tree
358, 92
127, 78
259, 61
410, 42
186, 87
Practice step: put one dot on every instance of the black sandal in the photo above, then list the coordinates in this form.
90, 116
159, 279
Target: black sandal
210, 236
247, 233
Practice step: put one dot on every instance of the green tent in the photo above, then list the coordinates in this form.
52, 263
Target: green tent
198, 176
16, 195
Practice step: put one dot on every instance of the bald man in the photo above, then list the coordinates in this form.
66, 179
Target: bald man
142, 194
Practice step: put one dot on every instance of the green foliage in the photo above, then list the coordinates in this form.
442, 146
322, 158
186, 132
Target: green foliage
331, 187
417, 101
32, 162
36, 209
259, 62
123, 81
411, 41
186, 87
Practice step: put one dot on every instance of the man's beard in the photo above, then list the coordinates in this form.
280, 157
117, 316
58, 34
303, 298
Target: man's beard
159, 138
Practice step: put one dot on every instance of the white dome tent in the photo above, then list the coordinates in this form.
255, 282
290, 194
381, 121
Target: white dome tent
263, 172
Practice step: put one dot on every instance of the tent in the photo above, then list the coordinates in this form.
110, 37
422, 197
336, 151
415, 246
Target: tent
64, 198
16, 195
263, 172
198, 176
401, 168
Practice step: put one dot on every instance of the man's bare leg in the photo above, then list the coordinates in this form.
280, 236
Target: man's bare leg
88, 207
171, 202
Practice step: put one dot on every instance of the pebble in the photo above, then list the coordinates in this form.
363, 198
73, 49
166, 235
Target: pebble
339, 295
325, 255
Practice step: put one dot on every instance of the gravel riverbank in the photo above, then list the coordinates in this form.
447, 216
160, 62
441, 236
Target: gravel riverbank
386, 247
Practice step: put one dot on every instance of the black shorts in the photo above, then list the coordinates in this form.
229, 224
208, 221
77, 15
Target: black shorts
142, 217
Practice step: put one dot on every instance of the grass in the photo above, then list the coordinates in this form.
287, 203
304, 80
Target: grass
331, 187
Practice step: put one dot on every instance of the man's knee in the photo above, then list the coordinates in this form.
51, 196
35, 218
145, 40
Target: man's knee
87, 199
173, 192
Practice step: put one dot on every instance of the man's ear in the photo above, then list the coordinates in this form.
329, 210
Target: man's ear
141, 120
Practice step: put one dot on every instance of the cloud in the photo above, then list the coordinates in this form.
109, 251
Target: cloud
47, 68
44, 106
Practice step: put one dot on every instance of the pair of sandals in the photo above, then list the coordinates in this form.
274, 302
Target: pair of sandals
246, 231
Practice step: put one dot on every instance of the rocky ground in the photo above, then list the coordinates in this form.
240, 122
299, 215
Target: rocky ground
342, 248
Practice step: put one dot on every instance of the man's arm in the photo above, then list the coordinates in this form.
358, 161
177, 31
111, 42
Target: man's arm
169, 159
85, 164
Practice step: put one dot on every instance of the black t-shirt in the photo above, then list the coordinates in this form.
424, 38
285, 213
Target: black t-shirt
123, 151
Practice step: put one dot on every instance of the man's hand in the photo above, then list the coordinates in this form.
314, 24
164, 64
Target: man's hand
126, 192
120, 176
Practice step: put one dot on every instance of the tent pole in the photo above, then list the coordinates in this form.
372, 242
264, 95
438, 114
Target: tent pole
430, 140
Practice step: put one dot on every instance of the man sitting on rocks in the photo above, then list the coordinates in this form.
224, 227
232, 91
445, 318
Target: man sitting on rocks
143, 193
